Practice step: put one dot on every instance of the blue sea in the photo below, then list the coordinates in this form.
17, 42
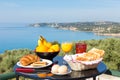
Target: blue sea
18, 36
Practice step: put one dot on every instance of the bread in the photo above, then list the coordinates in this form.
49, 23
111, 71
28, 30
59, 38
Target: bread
28, 59
39, 63
93, 54
96, 51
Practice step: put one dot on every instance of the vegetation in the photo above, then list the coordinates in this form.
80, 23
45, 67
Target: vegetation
112, 51
111, 46
97, 27
10, 57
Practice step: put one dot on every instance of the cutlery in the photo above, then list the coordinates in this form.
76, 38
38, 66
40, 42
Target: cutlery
30, 70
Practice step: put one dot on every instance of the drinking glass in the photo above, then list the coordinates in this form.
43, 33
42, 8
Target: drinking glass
81, 47
66, 47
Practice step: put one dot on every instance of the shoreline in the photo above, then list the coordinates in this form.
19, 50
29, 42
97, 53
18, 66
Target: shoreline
109, 34
101, 34
97, 31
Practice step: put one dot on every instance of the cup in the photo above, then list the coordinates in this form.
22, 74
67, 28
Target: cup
80, 47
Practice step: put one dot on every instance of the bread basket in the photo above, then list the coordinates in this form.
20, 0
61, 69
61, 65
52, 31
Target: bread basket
80, 65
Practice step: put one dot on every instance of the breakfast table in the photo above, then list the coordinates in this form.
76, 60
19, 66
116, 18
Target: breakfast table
74, 75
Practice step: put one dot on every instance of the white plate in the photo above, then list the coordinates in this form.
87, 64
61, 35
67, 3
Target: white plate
30, 66
69, 71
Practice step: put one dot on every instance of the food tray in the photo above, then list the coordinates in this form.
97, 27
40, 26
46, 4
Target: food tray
80, 65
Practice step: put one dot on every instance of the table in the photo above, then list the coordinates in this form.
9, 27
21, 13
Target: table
75, 75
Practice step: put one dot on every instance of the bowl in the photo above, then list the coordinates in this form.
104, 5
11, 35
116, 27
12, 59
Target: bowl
81, 65
47, 55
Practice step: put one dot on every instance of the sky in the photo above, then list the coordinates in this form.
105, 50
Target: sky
33, 11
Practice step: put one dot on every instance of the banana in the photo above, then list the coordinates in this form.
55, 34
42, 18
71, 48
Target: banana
44, 45
42, 41
39, 42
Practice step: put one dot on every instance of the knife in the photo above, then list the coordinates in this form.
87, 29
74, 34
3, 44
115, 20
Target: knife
30, 70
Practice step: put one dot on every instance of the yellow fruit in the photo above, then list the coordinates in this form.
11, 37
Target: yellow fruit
37, 49
39, 42
48, 44
41, 48
44, 42
45, 46
55, 47
51, 50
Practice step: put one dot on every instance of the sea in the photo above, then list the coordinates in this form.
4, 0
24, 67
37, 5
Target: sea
20, 36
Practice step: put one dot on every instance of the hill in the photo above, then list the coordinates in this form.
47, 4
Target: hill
99, 28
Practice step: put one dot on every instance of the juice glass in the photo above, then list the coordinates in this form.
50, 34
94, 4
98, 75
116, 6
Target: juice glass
66, 47
80, 47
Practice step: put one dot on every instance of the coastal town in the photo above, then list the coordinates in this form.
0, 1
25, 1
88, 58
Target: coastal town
105, 28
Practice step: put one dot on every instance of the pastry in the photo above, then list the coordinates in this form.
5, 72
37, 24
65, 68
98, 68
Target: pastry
93, 54
96, 51
28, 59
39, 63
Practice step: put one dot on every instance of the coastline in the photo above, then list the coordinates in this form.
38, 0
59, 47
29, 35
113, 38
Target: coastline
98, 28
101, 34
109, 34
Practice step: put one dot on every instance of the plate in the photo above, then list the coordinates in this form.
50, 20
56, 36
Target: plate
69, 71
49, 62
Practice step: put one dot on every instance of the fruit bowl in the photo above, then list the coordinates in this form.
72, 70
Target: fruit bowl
46, 49
47, 55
